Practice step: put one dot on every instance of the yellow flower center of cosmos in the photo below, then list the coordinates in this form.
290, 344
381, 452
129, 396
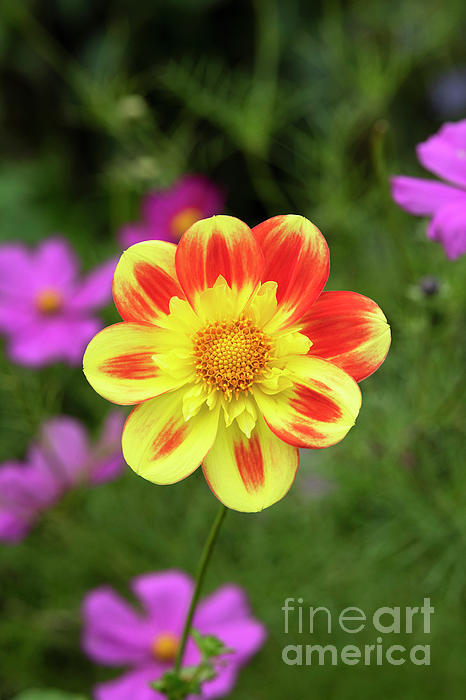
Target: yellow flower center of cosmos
49, 301
165, 646
230, 354
183, 220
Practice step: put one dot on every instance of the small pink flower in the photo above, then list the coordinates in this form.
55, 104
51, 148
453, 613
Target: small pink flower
444, 154
117, 635
58, 462
46, 310
167, 214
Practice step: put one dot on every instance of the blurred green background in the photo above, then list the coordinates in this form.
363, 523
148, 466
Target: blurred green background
291, 107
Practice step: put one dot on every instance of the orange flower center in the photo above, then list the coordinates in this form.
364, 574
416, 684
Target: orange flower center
165, 646
49, 301
230, 354
183, 220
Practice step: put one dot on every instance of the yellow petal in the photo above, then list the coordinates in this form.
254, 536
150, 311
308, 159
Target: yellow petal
122, 364
145, 281
250, 474
318, 409
220, 245
159, 445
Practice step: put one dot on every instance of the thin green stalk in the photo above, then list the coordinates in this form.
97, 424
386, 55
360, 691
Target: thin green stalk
200, 574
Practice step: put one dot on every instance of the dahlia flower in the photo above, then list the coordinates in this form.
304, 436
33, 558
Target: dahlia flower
117, 635
46, 309
444, 154
62, 459
234, 355
167, 214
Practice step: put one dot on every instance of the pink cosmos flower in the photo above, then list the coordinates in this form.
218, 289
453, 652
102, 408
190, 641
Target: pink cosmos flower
117, 635
444, 154
167, 214
60, 460
46, 309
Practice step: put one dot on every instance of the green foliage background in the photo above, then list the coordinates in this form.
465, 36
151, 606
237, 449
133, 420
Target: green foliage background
290, 106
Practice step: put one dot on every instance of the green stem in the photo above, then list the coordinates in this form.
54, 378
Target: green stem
200, 574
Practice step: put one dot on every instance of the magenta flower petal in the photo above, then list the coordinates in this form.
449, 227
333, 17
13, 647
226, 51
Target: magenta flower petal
55, 264
108, 469
16, 275
135, 685
222, 684
45, 309
166, 214
423, 197
95, 290
13, 528
27, 486
111, 430
131, 686
244, 637
114, 634
165, 597
61, 459
130, 234
193, 191
41, 480
18, 503
135, 233
66, 448
53, 339
227, 603
107, 456
15, 315
444, 153
449, 228
25, 489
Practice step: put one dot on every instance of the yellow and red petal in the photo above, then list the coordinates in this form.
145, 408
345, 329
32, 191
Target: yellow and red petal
250, 474
297, 258
318, 410
145, 281
350, 330
219, 246
159, 445
120, 363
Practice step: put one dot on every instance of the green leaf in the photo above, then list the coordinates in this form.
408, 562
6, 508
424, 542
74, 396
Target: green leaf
48, 695
209, 645
176, 686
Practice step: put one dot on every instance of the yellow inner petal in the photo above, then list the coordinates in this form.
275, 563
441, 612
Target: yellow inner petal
225, 350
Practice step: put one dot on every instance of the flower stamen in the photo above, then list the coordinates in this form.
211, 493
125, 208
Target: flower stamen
230, 355
165, 646
183, 220
49, 301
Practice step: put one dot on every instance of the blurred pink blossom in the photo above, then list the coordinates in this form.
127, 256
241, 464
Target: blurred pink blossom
115, 634
61, 459
444, 154
47, 311
167, 214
